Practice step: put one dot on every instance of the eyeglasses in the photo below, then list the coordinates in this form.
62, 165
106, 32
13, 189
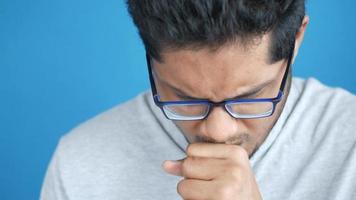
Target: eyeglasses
237, 108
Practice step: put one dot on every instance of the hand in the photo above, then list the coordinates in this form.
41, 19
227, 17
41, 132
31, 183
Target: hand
216, 172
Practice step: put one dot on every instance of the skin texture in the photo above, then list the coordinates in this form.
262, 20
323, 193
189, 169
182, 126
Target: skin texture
217, 163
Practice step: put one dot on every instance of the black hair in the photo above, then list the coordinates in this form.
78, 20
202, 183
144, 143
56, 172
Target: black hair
175, 24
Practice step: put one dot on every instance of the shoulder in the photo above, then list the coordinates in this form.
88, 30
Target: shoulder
334, 103
326, 111
110, 150
112, 123
120, 132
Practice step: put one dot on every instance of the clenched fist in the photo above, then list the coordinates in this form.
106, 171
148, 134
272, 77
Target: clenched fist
216, 172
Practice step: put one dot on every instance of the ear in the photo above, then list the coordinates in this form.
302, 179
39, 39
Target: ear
300, 36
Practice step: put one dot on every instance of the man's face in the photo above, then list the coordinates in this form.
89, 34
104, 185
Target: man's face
232, 71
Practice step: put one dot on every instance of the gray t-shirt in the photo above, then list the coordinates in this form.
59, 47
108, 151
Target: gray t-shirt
309, 154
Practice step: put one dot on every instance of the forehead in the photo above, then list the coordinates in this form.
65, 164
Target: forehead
218, 74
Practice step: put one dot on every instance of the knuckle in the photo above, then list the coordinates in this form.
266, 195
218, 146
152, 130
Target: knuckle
190, 160
190, 149
185, 163
181, 187
186, 166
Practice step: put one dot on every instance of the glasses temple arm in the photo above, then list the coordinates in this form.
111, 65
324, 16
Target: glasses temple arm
290, 59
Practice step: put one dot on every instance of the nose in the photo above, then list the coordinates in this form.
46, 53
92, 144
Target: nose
219, 125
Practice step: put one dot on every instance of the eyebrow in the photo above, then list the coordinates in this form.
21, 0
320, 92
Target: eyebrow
254, 90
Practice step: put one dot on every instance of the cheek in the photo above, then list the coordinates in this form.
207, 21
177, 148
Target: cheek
254, 125
258, 129
190, 128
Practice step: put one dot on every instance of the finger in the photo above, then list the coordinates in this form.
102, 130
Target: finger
217, 151
195, 167
194, 189
202, 168
173, 167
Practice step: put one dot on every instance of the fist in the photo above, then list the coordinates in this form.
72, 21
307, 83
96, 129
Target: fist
216, 172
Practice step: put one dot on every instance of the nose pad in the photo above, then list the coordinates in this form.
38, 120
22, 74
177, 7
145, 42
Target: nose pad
220, 125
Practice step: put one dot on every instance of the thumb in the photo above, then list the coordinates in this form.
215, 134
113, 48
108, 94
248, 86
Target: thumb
173, 167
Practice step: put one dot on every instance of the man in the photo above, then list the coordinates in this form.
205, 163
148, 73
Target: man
224, 112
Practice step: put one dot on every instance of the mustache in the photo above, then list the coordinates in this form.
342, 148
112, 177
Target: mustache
234, 140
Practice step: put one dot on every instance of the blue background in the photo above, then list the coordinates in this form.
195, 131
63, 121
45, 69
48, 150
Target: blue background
62, 62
